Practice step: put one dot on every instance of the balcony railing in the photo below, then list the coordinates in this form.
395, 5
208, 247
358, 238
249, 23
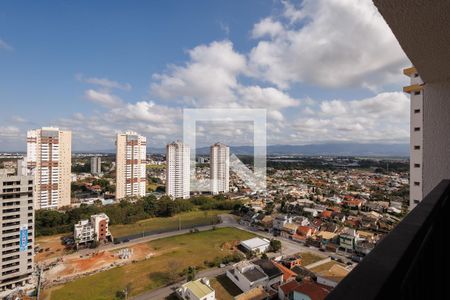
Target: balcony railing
412, 261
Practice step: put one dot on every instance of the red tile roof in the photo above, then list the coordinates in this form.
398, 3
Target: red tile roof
314, 290
289, 286
287, 274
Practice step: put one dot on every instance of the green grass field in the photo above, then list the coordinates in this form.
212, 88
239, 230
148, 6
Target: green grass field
188, 219
173, 255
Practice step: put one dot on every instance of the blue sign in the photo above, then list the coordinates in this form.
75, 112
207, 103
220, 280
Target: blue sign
24, 238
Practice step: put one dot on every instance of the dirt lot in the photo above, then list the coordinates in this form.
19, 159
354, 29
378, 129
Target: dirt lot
75, 265
52, 247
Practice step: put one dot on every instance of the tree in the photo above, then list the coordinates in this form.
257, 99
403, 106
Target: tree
190, 273
275, 245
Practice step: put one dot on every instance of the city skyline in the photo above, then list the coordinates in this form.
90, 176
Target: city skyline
343, 90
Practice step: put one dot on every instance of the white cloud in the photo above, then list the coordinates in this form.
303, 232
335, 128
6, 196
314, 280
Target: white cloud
103, 82
9, 131
267, 27
208, 77
329, 43
5, 46
104, 98
211, 78
383, 118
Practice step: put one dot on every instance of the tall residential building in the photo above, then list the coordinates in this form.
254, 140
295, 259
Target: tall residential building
130, 165
49, 158
415, 89
17, 232
178, 172
96, 165
220, 168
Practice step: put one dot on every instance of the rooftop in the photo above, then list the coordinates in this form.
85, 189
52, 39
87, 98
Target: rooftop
255, 243
198, 288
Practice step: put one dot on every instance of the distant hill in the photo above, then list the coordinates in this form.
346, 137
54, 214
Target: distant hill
338, 149
333, 149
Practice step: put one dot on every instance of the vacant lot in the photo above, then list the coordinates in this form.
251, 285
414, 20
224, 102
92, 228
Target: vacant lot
51, 247
225, 288
309, 258
188, 219
171, 256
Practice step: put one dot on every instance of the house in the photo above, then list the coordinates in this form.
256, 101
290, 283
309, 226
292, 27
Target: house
274, 274
286, 290
302, 221
280, 221
332, 276
303, 232
247, 275
288, 274
267, 223
257, 245
310, 290
248, 218
199, 289
311, 211
288, 230
291, 261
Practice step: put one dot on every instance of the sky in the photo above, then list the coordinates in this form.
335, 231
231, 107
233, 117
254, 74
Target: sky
325, 70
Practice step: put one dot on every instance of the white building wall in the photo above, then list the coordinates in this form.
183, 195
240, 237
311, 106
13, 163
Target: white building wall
178, 181
220, 168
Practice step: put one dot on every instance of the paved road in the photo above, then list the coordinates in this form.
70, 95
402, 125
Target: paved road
163, 292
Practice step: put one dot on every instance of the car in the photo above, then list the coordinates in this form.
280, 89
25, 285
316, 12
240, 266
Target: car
125, 241
321, 250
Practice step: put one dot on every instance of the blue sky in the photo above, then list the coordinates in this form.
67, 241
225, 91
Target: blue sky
99, 67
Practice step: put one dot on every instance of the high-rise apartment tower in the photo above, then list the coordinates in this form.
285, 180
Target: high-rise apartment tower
220, 168
178, 182
130, 165
49, 159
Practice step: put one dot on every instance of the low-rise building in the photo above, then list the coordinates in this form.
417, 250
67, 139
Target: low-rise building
199, 289
257, 245
247, 276
95, 229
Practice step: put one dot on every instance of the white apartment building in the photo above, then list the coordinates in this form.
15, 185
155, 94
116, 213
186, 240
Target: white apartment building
178, 180
220, 168
16, 230
49, 158
130, 165
95, 229
96, 165
416, 92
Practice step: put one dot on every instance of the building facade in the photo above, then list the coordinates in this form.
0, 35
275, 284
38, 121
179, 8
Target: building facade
220, 168
416, 91
178, 172
17, 232
95, 229
49, 159
96, 165
130, 165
